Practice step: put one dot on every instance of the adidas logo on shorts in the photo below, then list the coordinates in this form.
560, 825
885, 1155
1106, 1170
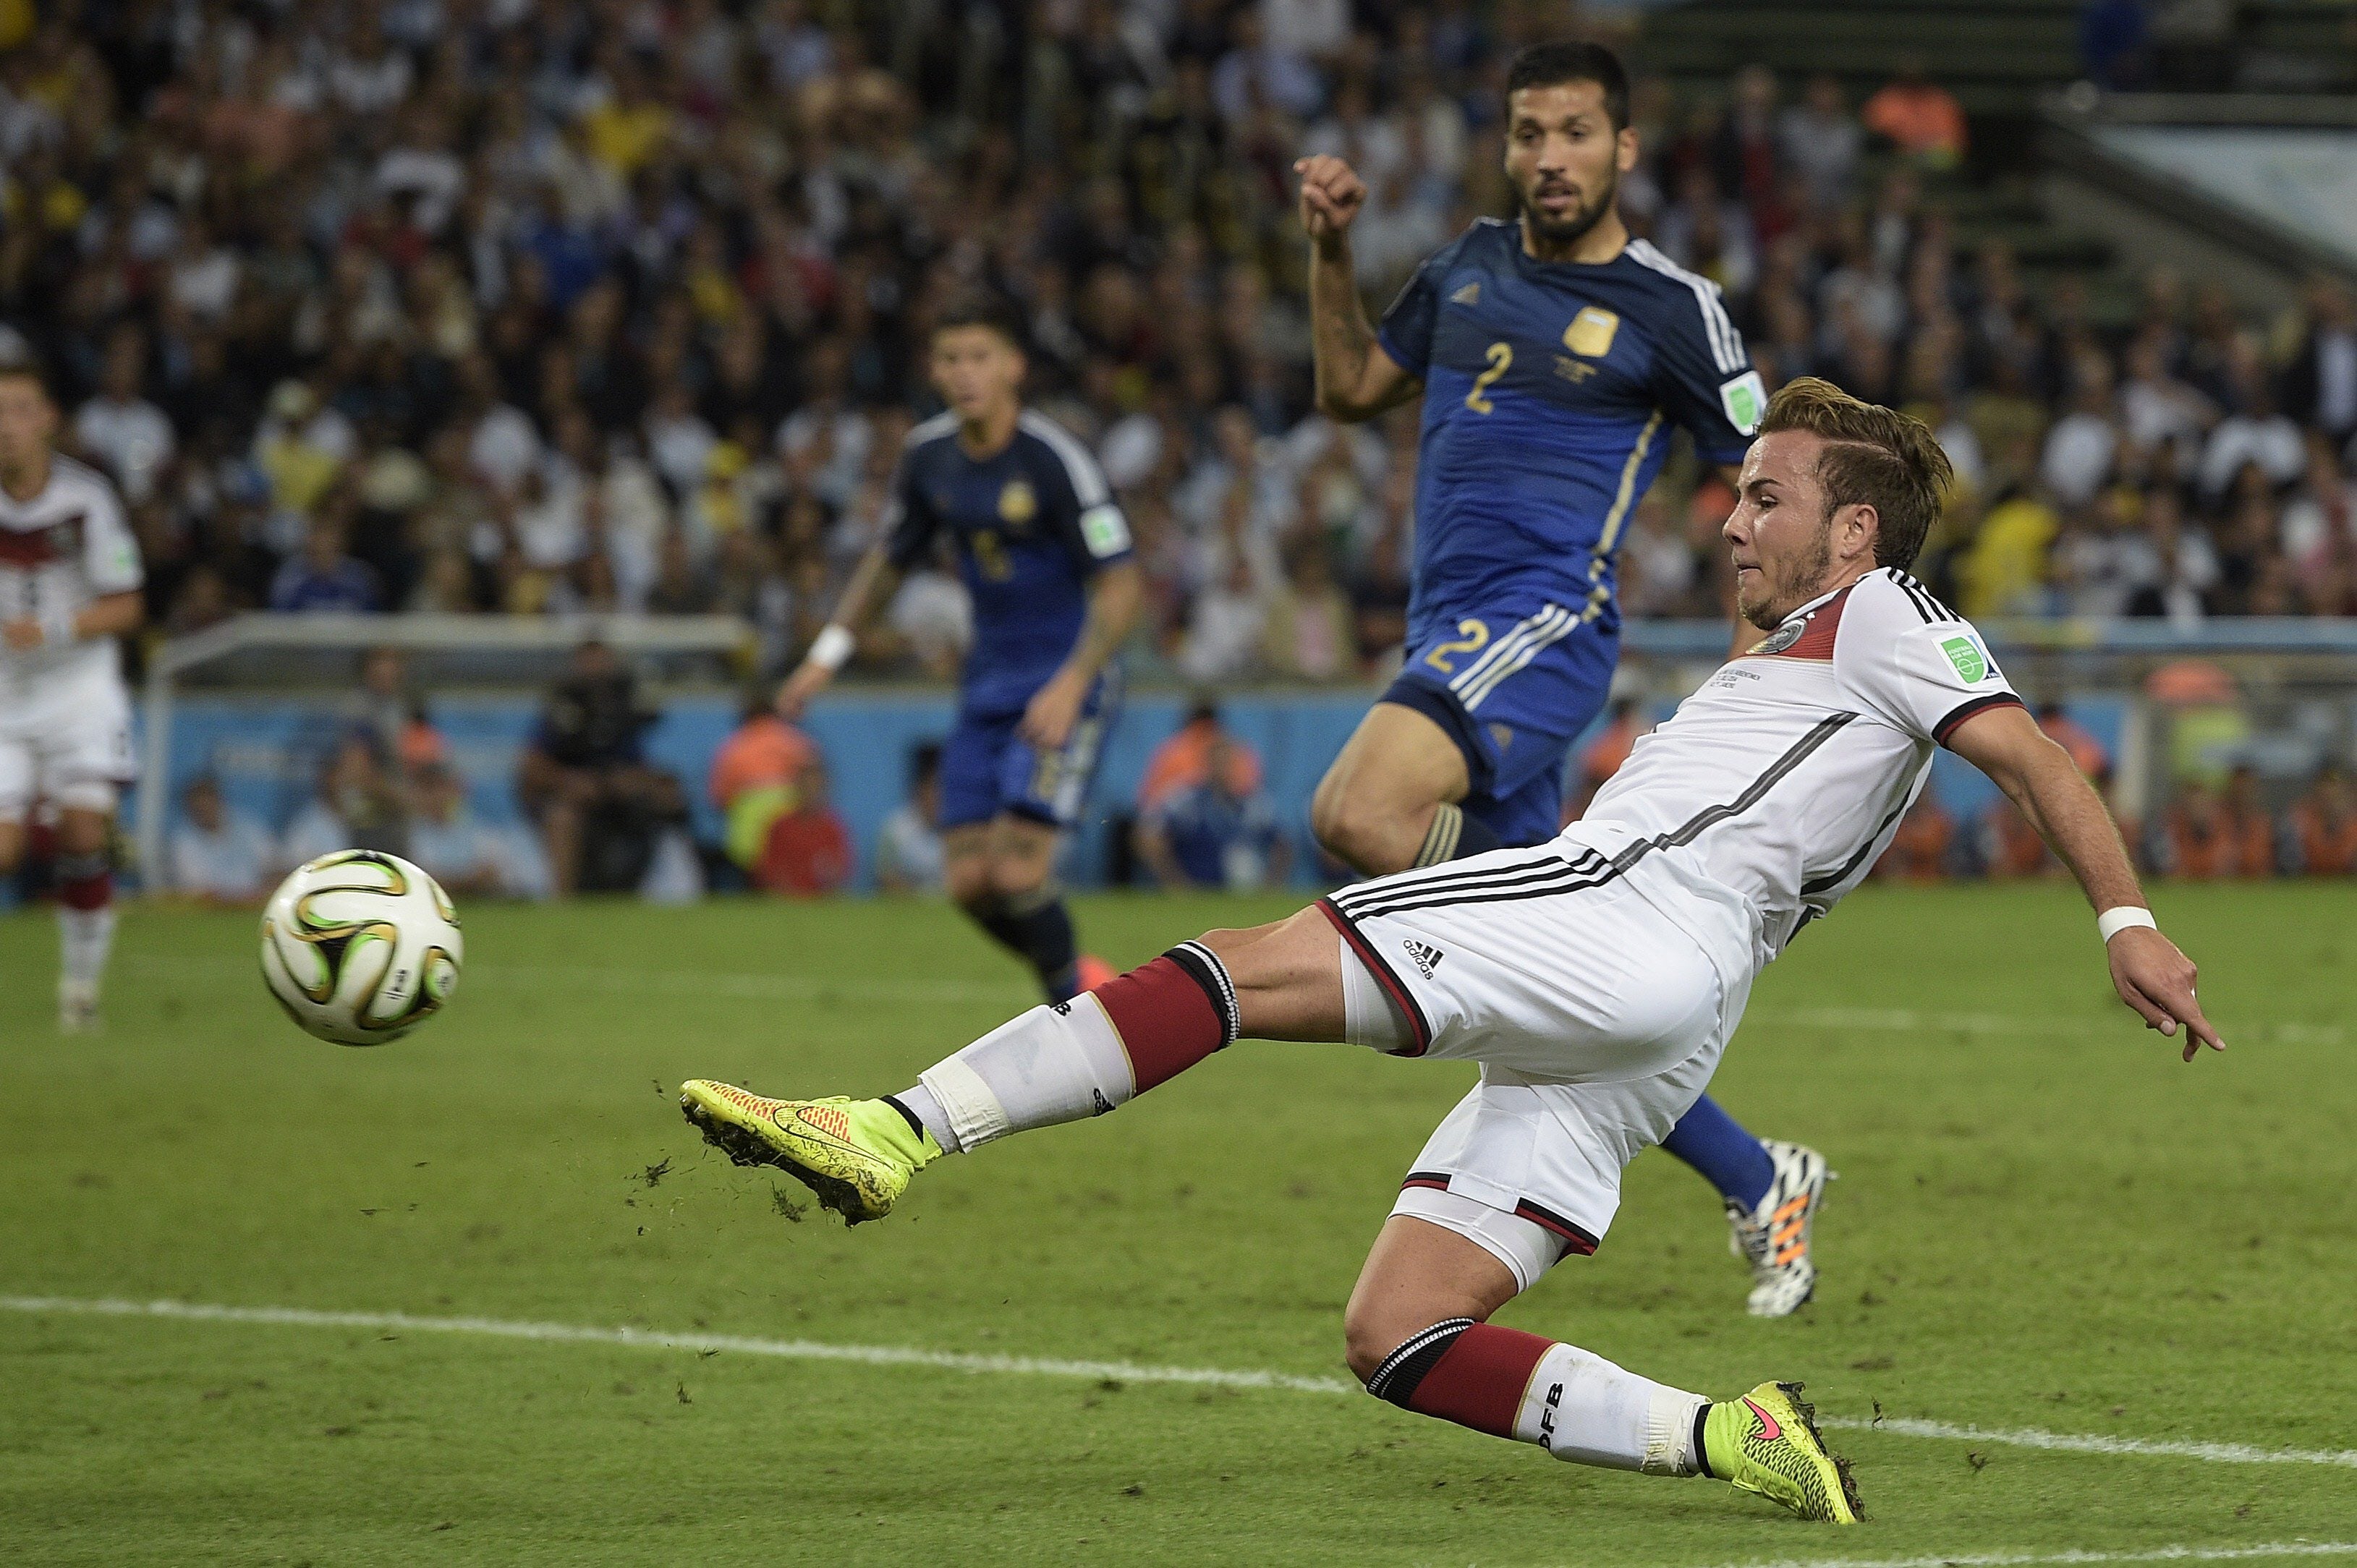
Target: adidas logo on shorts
1427, 957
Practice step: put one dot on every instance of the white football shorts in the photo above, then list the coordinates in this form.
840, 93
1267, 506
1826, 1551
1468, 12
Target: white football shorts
1595, 979
66, 741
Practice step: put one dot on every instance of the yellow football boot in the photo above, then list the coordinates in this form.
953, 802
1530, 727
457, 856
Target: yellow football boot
1767, 1442
857, 1154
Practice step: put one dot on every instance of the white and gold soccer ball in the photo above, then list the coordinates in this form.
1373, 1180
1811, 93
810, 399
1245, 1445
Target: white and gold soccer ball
361, 947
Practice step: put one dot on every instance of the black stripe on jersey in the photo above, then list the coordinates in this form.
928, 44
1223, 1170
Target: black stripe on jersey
1947, 726
1580, 876
1835, 879
1930, 609
1381, 895
1418, 1026
1574, 879
1710, 816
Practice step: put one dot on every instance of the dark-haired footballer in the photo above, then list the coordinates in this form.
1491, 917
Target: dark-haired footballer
1045, 553
1554, 354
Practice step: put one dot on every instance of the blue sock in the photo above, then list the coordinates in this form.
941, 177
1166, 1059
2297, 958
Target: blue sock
1729, 1158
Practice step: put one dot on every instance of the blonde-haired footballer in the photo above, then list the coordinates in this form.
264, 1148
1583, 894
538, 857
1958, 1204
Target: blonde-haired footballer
1596, 978
69, 581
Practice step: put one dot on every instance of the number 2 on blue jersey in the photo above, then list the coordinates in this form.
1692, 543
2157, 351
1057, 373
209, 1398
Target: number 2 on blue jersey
1500, 356
1472, 637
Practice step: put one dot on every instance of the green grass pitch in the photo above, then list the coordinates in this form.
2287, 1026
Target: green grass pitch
2043, 1222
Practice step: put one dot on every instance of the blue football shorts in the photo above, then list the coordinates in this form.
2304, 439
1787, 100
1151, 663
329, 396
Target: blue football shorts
1515, 683
987, 769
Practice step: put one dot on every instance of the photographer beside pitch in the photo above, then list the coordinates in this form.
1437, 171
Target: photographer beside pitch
1596, 978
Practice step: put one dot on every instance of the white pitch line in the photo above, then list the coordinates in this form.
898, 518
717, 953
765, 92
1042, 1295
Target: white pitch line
663, 1339
1053, 1367
2029, 1559
2095, 1443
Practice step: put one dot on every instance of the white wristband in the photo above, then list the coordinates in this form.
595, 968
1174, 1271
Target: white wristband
2122, 918
831, 647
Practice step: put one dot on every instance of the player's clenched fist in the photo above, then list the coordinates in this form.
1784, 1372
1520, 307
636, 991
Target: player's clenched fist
1331, 195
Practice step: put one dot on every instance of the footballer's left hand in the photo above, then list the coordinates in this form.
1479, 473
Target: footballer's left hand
1054, 710
24, 634
2156, 979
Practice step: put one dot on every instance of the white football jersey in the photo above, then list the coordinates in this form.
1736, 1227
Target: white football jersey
66, 546
1783, 778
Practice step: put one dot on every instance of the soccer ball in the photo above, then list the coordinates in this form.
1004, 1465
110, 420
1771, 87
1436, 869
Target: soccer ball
361, 947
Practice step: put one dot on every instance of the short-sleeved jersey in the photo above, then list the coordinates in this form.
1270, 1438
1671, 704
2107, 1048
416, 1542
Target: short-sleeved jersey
58, 551
1783, 778
1031, 524
1548, 392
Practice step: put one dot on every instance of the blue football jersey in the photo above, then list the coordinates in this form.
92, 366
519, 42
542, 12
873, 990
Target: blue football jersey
1548, 392
1031, 523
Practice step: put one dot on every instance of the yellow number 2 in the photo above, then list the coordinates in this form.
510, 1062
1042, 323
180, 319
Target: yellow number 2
990, 557
1471, 636
1500, 356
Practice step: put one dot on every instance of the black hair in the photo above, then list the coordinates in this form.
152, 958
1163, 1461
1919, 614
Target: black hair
987, 310
1569, 59
924, 761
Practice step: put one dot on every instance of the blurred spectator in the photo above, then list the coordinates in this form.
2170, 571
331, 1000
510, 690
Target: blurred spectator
1183, 759
1820, 140
467, 856
2250, 822
357, 805
756, 779
323, 578
2207, 835
1217, 830
808, 848
128, 435
219, 855
909, 855
586, 781
1920, 850
1919, 117
2324, 825
2321, 382
1308, 631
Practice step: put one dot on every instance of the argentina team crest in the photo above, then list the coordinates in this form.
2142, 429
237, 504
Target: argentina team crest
1017, 504
1591, 332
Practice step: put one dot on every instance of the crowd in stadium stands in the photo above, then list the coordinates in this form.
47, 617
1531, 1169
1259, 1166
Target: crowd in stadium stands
508, 305
521, 306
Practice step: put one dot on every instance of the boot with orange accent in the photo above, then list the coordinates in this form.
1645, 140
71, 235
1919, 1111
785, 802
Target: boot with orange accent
1092, 971
858, 1156
1774, 1237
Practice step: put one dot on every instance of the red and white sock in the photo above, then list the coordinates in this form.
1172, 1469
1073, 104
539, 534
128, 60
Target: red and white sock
1575, 1404
1082, 1057
85, 919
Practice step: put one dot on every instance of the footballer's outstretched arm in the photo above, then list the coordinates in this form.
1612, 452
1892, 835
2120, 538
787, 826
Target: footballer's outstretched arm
831, 647
1114, 594
2149, 972
1355, 379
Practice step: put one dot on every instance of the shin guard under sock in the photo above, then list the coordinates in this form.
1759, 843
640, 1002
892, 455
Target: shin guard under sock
1084, 1057
1575, 1405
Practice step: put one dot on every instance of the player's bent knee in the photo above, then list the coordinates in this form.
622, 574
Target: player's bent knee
1015, 878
